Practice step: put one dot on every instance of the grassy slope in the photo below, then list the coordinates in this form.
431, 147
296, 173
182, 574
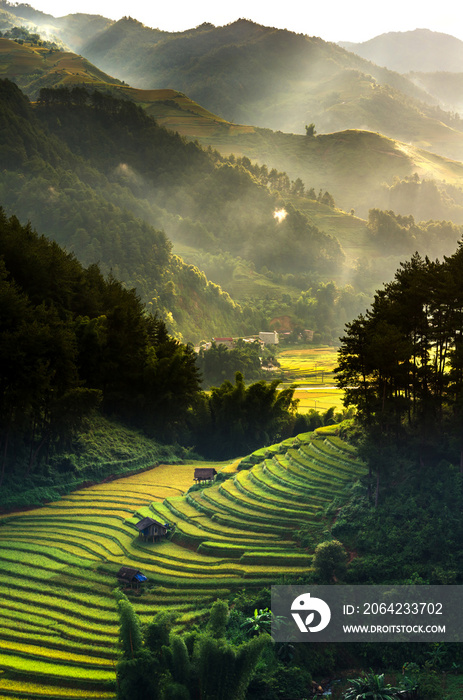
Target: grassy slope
58, 621
352, 165
34, 67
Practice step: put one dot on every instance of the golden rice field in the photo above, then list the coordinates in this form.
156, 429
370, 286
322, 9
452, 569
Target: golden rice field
318, 398
311, 371
58, 563
309, 360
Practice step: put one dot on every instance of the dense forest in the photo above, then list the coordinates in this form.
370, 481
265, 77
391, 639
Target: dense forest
72, 341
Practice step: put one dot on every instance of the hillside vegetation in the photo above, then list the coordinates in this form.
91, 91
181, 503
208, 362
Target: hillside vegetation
102, 178
93, 212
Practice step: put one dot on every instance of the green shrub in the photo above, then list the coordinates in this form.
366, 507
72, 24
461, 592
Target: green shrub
330, 561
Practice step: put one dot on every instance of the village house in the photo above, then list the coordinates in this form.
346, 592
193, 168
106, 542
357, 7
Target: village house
269, 337
130, 577
151, 529
204, 474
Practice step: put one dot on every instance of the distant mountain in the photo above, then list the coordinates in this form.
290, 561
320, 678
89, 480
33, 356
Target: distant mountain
249, 74
341, 162
419, 50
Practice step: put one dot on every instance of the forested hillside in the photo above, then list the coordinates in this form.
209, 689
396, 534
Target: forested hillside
74, 342
339, 162
93, 213
102, 178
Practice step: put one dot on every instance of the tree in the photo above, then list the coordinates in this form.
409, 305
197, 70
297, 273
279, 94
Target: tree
330, 561
224, 671
130, 635
310, 129
240, 419
136, 671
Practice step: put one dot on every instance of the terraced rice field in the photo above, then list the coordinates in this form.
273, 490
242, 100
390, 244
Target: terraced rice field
58, 564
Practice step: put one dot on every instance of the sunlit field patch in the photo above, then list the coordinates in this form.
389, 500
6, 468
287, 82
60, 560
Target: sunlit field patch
310, 370
310, 360
318, 398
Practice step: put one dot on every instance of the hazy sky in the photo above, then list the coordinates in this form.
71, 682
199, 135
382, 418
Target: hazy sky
332, 20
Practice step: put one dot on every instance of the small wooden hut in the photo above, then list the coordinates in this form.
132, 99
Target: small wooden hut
204, 474
130, 577
150, 529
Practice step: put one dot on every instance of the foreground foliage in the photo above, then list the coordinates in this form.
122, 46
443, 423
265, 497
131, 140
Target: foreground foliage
163, 665
401, 364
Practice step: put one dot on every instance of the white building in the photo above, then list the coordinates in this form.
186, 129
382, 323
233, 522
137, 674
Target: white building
269, 337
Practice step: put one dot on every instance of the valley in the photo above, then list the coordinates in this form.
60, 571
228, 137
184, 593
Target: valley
163, 191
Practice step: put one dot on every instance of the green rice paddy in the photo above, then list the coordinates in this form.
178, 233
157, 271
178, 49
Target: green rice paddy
58, 564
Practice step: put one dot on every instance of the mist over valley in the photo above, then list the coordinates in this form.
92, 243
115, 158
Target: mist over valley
248, 92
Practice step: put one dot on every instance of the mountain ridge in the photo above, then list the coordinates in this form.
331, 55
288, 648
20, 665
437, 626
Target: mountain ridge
420, 50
